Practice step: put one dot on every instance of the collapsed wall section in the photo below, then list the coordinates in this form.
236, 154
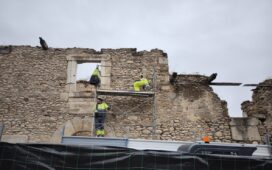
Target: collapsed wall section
189, 110
259, 116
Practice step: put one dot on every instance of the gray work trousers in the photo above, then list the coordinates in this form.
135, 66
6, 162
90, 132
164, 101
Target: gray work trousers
99, 120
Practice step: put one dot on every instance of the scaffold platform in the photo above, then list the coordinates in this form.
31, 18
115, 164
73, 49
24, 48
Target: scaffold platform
124, 93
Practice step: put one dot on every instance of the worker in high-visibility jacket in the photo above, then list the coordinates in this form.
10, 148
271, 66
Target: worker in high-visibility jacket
143, 83
100, 115
95, 77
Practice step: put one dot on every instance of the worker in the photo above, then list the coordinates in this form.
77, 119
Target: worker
95, 78
100, 114
143, 83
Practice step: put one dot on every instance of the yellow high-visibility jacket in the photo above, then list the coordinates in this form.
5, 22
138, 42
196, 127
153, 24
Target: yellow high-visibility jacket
138, 84
96, 72
144, 81
102, 107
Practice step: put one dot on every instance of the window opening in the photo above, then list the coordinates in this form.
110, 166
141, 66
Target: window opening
83, 75
85, 70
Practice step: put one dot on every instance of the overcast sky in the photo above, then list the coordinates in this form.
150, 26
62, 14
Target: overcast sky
230, 37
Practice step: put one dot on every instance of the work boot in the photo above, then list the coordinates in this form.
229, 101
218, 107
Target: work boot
102, 133
97, 133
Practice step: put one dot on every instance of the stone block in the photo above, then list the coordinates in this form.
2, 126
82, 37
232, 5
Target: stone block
15, 138
85, 87
253, 122
67, 88
69, 129
244, 121
87, 124
105, 57
76, 56
164, 79
64, 96
82, 94
77, 124
165, 87
107, 71
158, 132
105, 82
70, 87
268, 121
86, 100
163, 60
133, 118
245, 133
106, 63
81, 107
57, 136
218, 134
146, 132
253, 133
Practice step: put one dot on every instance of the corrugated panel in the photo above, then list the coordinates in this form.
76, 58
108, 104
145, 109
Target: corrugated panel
140, 144
263, 150
81, 140
156, 144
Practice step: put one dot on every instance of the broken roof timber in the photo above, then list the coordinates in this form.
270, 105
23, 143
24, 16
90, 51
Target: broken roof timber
213, 83
255, 85
224, 84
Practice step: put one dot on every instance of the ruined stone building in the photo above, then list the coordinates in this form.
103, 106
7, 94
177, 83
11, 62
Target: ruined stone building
40, 99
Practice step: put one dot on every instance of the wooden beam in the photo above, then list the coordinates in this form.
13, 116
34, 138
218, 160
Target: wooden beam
224, 84
256, 85
212, 83
250, 85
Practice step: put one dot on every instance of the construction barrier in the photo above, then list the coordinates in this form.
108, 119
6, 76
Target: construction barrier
79, 157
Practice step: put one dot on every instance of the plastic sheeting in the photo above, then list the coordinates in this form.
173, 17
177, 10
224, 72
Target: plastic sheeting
74, 157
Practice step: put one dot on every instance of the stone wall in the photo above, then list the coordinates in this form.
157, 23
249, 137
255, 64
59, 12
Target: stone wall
132, 116
40, 97
259, 115
31, 82
36, 96
189, 110
183, 112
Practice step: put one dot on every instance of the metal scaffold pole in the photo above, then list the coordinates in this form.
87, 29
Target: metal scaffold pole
154, 108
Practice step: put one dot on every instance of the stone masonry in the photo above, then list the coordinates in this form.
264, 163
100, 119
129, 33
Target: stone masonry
41, 99
259, 115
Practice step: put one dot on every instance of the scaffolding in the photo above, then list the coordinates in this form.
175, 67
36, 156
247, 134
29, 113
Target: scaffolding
143, 94
124, 93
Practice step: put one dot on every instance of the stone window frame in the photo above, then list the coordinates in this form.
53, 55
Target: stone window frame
74, 60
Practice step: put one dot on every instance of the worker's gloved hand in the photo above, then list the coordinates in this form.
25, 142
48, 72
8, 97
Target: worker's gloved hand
109, 107
147, 87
